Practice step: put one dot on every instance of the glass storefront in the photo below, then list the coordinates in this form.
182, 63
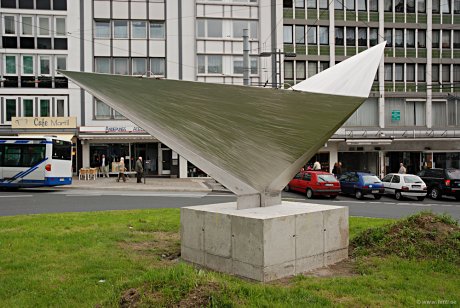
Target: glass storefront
359, 161
447, 160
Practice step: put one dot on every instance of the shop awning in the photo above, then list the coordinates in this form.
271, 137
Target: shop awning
116, 137
67, 137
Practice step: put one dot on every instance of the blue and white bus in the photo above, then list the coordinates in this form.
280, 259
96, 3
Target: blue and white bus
35, 162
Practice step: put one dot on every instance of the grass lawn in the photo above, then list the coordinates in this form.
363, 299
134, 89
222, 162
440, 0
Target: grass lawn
125, 257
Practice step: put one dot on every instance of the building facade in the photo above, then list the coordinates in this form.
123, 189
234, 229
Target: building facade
411, 116
413, 112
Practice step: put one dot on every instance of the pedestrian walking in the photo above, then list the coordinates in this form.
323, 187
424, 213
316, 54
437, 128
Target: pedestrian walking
104, 166
402, 169
139, 169
121, 170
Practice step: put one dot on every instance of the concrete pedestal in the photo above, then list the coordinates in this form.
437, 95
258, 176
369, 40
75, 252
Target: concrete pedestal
267, 243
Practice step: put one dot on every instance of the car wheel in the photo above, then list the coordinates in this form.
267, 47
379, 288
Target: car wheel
358, 194
287, 188
420, 198
309, 193
398, 195
377, 197
435, 193
333, 196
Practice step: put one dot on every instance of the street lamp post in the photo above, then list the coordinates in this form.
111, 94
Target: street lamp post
277, 64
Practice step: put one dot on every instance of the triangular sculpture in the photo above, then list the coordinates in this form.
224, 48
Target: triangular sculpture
252, 140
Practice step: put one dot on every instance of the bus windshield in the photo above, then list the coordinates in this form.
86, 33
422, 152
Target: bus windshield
62, 150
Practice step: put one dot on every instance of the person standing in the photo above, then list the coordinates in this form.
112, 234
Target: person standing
121, 170
317, 166
104, 166
139, 170
402, 169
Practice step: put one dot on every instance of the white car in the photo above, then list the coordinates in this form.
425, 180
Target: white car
404, 185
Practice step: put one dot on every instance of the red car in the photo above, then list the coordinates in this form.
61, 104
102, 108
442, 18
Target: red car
315, 183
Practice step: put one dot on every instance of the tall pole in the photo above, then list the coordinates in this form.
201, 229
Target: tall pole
246, 65
279, 67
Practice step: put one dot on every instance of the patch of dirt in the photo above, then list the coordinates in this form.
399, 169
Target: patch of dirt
199, 296
345, 268
165, 245
130, 298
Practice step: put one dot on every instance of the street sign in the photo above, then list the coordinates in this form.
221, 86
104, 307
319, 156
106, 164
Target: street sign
395, 115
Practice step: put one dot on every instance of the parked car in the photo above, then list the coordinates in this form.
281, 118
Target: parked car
315, 183
404, 185
360, 184
441, 182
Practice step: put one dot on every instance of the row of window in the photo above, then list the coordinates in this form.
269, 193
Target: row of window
130, 66
398, 6
34, 25
124, 29
302, 69
102, 111
218, 28
214, 64
31, 106
32, 65
60, 5
407, 37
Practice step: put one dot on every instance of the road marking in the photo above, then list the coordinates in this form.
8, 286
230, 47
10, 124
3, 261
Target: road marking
16, 196
87, 195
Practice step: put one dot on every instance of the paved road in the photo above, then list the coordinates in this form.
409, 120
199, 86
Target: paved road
35, 201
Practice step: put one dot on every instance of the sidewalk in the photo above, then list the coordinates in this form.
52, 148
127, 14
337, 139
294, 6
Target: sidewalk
151, 184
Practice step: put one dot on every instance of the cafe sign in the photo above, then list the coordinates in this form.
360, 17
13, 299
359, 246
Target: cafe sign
44, 122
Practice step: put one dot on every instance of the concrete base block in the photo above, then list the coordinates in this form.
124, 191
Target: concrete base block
266, 243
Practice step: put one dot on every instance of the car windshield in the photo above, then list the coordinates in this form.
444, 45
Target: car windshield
454, 174
412, 179
371, 179
326, 178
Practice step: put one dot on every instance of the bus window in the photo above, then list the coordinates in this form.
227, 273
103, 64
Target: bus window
2, 150
12, 156
62, 150
33, 154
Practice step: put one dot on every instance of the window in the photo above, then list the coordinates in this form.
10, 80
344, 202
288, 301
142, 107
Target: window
44, 108
287, 30
102, 110
410, 38
120, 29
102, 65
287, 4
445, 38
410, 6
351, 36
338, 4
45, 65
373, 36
9, 25
43, 26
120, 66
288, 69
214, 28
60, 29
399, 38
311, 35
139, 29
415, 114
399, 6
44, 4
157, 66
300, 70
373, 5
421, 6
388, 6
312, 68
157, 30
451, 113
311, 4
445, 73
10, 65
410, 72
200, 28
8, 4
456, 72
28, 107
435, 5
435, 39
300, 34
435, 72
439, 113
362, 5
421, 38
339, 36
139, 66
60, 108
421, 74
362, 36
61, 62
240, 25
62, 150
388, 72
388, 34
201, 64
366, 115
60, 5
27, 25
10, 108
324, 35
324, 4
300, 4
457, 38
102, 29
27, 65
456, 6
445, 6
399, 72
350, 5
215, 64
323, 65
